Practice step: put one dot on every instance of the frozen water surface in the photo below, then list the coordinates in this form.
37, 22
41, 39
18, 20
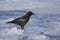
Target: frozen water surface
42, 27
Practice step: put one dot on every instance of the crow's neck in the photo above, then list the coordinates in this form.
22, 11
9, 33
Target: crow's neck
28, 15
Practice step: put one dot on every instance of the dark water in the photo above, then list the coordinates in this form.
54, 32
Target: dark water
39, 27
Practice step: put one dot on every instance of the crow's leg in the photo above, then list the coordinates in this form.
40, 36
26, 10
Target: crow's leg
22, 27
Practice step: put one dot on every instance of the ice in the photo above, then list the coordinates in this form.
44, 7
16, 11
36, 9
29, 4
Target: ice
53, 29
14, 31
11, 33
45, 27
17, 34
40, 37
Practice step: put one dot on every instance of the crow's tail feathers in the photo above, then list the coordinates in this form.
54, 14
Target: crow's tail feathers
9, 22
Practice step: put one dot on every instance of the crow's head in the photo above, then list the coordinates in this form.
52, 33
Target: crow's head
30, 13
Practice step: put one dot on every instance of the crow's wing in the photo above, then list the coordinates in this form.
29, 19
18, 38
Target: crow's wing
22, 20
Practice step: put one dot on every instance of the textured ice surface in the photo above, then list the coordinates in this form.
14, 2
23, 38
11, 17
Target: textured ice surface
42, 27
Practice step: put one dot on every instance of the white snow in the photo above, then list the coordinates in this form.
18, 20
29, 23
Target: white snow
11, 33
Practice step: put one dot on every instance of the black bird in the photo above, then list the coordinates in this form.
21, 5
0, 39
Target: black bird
21, 21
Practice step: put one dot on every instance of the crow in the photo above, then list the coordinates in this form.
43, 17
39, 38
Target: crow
21, 21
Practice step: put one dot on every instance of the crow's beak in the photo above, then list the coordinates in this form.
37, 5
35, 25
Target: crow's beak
34, 15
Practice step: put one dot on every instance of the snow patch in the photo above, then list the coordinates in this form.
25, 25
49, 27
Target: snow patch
14, 31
